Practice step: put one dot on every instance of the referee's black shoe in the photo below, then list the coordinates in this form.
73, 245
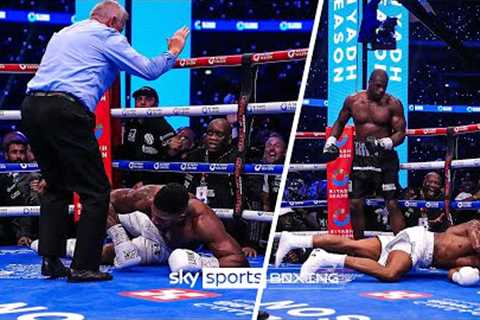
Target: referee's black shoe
54, 268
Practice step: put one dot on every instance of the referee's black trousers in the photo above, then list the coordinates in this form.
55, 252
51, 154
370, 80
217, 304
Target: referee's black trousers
61, 134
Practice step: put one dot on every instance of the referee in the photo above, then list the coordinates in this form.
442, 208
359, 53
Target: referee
80, 63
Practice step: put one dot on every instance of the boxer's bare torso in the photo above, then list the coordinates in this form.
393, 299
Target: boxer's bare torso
458, 246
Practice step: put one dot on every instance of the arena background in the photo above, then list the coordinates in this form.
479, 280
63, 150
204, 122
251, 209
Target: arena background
25, 38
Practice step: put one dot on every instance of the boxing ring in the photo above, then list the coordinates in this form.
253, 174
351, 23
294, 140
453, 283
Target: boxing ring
145, 292
142, 292
346, 294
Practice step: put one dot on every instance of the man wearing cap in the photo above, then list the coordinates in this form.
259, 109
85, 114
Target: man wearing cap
144, 139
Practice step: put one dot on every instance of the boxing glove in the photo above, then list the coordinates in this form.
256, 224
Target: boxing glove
126, 254
375, 145
188, 260
330, 150
466, 276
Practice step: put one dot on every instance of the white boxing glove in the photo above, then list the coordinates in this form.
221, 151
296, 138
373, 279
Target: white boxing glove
385, 143
330, 141
190, 261
126, 255
466, 276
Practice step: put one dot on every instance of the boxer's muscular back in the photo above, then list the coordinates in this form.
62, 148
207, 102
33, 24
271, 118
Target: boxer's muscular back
129, 200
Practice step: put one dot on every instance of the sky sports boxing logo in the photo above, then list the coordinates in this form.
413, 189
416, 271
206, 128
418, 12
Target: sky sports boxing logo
219, 278
251, 278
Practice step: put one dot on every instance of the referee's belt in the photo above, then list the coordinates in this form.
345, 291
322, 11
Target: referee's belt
64, 95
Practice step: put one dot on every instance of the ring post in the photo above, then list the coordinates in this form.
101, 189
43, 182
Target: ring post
246, 89
448, 173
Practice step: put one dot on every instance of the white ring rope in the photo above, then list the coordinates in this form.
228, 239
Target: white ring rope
33, 211
189, 110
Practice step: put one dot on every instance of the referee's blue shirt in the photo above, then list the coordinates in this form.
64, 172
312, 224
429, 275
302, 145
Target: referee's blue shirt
84, 59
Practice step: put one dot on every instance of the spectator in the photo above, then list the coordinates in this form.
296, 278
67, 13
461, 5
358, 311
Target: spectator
176, 150
145, 139
181, 144
261, 194
433, 218
468, 191
217, 190
18, 189
274, 153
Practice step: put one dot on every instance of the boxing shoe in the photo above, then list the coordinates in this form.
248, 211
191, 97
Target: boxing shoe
320, 258
126, 255
288, 242
284, 246
53, 267
88, 276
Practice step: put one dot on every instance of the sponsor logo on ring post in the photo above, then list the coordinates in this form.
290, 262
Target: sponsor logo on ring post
339, 178
341, 218
342, 141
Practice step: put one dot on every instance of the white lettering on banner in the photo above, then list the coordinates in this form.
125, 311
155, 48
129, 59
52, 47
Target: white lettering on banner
352, 18
338, 21
21, 307
338, 4
344, 54
394, 72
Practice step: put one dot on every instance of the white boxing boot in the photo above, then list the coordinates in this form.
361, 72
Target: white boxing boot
320, 258
290, 242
